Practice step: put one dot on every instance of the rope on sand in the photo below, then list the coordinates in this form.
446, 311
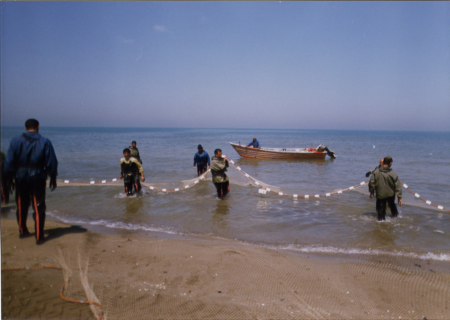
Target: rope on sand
61, 292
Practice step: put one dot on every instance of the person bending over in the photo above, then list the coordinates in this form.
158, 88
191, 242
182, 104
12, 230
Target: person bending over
218, 167
201, 159
130, 170
386, 185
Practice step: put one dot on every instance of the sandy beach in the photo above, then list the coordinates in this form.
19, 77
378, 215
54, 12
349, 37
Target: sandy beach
160, 277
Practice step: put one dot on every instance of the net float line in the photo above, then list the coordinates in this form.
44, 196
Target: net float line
428, 202
61, 291
108, 182
264, 190
196, 181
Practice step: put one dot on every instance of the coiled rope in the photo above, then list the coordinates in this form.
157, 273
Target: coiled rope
61, 292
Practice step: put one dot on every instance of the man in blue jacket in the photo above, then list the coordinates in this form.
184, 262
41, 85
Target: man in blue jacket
201, 159
30, 159
255, 144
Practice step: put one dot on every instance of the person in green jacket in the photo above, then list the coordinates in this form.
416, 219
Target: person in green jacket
218, 167
134, 152
386, 185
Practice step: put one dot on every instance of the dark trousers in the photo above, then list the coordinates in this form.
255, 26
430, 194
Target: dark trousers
31, 193
5, 193
201, 168
222, 189
132, 184
381, 207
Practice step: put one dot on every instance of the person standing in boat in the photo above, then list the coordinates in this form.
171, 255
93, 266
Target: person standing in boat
385, 183
254, 144
218, 167
134, 152
202, 160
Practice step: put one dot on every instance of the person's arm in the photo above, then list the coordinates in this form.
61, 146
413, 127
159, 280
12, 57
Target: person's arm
51, 164
195, 160
398, 191
209, 161
372, 183
141, 169
250, 144
121, 169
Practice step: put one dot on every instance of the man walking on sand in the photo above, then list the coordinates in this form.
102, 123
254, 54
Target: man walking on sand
218, 167
384, 182
30, 160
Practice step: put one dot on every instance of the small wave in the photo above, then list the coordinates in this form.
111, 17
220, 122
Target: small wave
313, 249
116, 225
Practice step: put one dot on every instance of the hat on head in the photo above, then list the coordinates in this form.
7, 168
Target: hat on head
199, 146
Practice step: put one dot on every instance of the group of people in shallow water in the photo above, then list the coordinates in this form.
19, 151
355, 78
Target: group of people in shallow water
132, 172
31, 159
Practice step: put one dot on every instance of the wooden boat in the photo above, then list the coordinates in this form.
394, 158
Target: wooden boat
278, 153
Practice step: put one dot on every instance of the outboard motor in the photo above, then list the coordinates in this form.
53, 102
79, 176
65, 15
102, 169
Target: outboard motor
323, 147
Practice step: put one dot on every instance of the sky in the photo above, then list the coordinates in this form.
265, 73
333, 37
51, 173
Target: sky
295, 65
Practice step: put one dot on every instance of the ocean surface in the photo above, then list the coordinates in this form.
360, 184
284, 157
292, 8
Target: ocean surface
343, 223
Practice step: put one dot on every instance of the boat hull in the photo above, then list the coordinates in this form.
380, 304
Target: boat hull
251, 153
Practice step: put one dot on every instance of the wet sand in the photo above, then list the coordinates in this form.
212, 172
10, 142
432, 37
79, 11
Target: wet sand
164, 277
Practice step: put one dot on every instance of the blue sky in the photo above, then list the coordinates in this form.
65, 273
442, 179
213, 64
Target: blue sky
298, 65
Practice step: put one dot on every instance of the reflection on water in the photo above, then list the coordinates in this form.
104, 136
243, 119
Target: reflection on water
134, 205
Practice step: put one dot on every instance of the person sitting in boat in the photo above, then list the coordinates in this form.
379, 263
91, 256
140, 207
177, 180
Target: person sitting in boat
254, 144
201, 159
130, 170
323, 147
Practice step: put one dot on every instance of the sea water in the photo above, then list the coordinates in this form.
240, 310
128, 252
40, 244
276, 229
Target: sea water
344, 222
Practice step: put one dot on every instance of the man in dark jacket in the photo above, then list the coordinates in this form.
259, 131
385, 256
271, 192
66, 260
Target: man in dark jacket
202, 160
254, 144
29, 161
384, 182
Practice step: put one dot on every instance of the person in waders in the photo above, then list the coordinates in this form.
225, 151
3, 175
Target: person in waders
131, 172
218, 167
385, 184
29, 161
134, 152
201, 159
